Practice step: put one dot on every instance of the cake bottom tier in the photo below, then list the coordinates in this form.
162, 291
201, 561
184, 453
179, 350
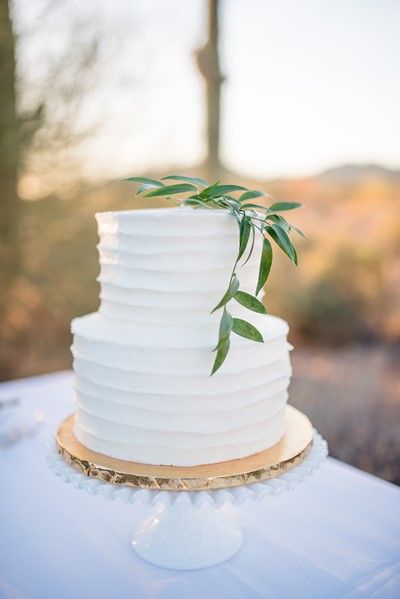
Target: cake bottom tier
171, 449
145, 395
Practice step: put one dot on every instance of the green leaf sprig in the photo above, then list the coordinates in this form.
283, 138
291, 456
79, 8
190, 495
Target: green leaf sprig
252, 219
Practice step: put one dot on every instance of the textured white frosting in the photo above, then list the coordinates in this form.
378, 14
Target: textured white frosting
143, 361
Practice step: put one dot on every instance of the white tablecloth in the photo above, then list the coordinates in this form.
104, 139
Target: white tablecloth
338, 535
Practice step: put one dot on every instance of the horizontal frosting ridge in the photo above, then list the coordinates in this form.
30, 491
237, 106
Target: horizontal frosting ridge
186, 402
155, 382
189, 422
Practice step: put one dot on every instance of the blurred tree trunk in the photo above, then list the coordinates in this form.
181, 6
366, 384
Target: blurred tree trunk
10, 204
209, 66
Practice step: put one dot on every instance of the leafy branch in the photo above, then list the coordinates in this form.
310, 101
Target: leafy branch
252, 219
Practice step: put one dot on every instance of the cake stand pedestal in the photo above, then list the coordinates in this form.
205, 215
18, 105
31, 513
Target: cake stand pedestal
190, 527
187, 538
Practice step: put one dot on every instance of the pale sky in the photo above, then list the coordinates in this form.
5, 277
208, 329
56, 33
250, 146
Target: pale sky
310, 84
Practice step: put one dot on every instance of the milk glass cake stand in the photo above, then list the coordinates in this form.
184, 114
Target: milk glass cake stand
189, 528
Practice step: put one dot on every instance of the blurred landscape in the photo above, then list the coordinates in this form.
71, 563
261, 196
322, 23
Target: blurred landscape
342, 302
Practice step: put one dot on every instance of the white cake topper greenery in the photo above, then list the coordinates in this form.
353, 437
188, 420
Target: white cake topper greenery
252, 219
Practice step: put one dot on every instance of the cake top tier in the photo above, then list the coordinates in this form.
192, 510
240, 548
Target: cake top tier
170, 265
169, 222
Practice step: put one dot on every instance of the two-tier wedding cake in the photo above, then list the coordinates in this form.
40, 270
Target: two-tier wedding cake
143, 361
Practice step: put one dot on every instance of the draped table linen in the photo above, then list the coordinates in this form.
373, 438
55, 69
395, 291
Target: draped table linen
337, 535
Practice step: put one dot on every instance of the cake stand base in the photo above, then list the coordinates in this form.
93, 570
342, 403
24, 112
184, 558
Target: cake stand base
190, 528
181, 538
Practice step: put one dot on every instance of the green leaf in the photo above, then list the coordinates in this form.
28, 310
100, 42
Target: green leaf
285, 225
282, 240
215, 191
244, 233
225, 203
250, 195
245, 206
168, 190
233, 287
231, 201
250, 302
225, 325
145, 187
280, 206
279, 220
298, 231
222, 352
195, 201
194, 180
252, 243
146, 180
247, 330
265, 265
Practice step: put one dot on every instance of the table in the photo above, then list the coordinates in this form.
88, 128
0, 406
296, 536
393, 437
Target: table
338, 535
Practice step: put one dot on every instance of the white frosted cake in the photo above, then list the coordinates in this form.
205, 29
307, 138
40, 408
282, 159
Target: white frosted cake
143, 361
